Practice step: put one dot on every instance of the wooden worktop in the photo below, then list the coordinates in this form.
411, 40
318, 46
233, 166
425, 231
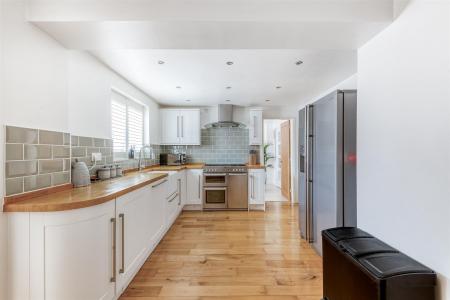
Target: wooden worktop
257, 166
96, 193
177, 168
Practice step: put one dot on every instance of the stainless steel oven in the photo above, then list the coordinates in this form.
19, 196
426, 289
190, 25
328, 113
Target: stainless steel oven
215, 197
215, 179
221, 182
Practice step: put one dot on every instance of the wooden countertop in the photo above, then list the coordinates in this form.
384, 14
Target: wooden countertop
96, 193
177, 168
258, 166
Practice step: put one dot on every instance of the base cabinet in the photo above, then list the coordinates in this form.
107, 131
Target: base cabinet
136, 227
90, 253
256, 189
194, 192
67, 251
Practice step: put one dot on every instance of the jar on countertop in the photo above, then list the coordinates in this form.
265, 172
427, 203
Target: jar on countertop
104, 173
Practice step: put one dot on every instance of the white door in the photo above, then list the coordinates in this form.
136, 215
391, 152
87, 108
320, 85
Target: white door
194, 186
256, 127
190, 127
72, 254
157, 213
172, 209
133, 234
170, 126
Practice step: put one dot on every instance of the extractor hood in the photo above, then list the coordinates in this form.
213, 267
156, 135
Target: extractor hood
224, 118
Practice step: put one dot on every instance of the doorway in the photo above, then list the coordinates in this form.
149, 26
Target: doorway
277, 159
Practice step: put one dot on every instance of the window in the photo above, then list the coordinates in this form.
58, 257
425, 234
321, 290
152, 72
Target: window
127, 123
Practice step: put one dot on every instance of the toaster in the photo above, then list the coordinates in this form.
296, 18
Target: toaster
169, 159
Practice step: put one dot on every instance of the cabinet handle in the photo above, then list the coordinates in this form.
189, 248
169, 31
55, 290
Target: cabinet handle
171, 200
122, 269
113, 222
156, 185
199, 180
179, 192
178, 126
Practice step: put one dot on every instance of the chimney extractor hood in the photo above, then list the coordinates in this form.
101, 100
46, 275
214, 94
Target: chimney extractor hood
224, 118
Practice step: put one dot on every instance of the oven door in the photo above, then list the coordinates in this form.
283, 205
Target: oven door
215, 179
215, 197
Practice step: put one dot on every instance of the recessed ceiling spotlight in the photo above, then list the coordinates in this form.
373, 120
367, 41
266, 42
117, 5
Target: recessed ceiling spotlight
161, 62
228, 87
267, 100
278, 87
188, 100
230, 63
227, 100
178, 87
298, 63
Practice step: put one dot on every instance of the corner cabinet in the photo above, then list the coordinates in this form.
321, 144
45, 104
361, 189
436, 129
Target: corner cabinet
180, 126
256, 126
256, 189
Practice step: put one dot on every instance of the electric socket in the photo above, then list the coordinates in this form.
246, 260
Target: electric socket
96, 156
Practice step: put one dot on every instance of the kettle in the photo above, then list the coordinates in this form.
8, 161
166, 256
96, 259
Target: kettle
80, 174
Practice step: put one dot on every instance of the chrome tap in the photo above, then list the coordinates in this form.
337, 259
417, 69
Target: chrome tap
140, 164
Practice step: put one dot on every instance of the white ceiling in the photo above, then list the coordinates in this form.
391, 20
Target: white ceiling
203, 75
195, 38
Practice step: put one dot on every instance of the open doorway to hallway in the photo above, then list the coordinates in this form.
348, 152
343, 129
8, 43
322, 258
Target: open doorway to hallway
277, 159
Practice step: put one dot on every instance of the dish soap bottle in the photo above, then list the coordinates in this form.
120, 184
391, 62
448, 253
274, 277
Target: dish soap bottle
131, 153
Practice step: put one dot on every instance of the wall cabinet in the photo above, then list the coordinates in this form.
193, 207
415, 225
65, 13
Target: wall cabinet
256, 126
256, 188
194, 179
90, 253
180, 126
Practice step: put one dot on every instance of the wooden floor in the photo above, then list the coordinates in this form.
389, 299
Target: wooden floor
231, 255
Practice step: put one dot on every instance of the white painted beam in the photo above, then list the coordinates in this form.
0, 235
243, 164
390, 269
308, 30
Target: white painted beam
212, 10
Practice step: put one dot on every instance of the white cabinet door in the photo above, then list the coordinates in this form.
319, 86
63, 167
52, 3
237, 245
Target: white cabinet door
183, 187
133, 212
194, 180
71, 254
190, 127
170, 127
157, 213
180, 126
256, 127
172, 209
256, 187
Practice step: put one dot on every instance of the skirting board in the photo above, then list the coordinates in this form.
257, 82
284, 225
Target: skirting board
257, 207
193, 207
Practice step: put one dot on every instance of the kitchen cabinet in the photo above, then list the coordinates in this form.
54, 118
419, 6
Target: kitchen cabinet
89, 253
139, 223
256, 126
62, 255
256, 188
180, 126
194, 179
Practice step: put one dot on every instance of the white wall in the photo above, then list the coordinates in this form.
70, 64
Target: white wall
404, 135
3, 224
89, 97
35, 85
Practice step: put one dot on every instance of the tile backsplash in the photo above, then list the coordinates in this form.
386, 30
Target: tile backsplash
35, 159
38, 159
83, 147
219, 146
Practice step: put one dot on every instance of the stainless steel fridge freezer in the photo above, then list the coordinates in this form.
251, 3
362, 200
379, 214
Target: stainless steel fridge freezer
327, 165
